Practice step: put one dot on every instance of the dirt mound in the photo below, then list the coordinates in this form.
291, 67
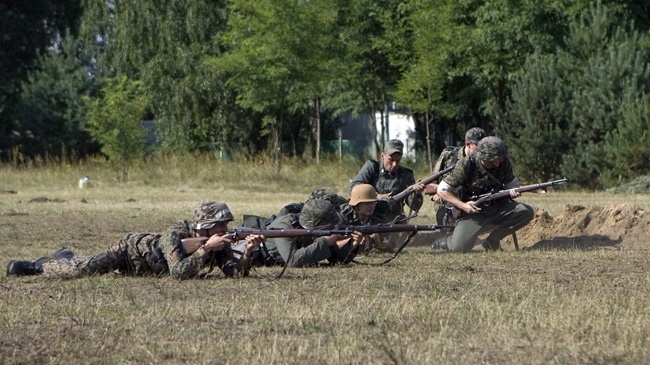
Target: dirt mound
578, 227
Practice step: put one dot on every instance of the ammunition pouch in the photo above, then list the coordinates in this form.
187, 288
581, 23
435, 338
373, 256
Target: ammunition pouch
270, 257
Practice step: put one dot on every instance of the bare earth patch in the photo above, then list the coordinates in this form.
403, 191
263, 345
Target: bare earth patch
620, 226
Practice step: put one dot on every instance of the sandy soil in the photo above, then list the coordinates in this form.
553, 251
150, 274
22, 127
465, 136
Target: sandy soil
577, 227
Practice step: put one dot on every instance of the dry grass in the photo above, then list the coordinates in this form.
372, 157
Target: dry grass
532, 307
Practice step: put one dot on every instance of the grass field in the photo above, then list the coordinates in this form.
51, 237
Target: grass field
525, 307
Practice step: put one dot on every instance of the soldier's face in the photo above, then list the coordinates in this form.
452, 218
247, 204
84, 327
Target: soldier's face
219, 228
391, 162
470, 148
365, 209
490, 165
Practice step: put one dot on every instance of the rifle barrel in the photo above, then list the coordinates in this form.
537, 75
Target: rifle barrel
522, 189
238, 234
428, 180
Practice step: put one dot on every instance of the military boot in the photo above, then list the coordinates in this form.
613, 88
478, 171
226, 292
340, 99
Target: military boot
440, 244
23, 268
489, 245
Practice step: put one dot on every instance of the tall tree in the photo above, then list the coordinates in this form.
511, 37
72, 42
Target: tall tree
495, 37
27, 28
52, 112
278, 59
579, 112
165, 46
425, 67
366, 54
115, 120
608, 65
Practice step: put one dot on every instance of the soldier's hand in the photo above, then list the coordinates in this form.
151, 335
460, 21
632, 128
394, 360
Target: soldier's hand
333, 239
358, 238
418, 188
431, 189
254, 240
387, 195
470, 208
217, 243
436, 198
514, 193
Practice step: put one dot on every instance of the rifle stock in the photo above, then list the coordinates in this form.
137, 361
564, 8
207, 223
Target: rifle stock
477, 200
192, 244
401, 196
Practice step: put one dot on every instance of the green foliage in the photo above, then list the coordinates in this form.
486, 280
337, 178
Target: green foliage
493, 39
538, 124
27, 28
52, 113
580, 111
421, 86
165, 47
114, 120
261, 76
298, 60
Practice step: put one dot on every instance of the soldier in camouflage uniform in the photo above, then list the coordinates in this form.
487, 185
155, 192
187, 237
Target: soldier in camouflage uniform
156, 254
317, 214
325, 194
389, 178
487, 170
448, 157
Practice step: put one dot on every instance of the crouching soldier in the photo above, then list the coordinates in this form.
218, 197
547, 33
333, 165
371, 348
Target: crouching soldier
487, 170
155, 254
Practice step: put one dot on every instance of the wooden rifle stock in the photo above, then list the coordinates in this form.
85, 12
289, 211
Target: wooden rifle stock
477, 200
401, 196
192, 244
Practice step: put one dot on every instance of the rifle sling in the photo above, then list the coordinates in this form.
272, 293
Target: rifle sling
401, 247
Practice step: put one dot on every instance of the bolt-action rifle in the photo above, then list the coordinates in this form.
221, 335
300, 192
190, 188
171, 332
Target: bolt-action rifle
484, 198
399, 197
194, 243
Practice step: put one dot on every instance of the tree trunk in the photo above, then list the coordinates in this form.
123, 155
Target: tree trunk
317, 131
426, 122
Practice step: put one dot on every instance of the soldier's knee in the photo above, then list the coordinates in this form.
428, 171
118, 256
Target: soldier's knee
529, 213
459, 246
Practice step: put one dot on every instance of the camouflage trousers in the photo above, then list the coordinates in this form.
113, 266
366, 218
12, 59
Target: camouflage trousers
134, 254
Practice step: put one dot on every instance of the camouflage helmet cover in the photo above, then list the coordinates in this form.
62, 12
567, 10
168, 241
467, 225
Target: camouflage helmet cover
491, 148
325, 194
208, 213
318, 214
474, 135
362, 193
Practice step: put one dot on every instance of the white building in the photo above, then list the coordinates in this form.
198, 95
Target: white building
359, 133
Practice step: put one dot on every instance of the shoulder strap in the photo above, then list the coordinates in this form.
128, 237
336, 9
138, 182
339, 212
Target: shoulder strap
454, 159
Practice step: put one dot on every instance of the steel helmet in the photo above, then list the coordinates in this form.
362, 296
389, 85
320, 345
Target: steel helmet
363, 193
208, 213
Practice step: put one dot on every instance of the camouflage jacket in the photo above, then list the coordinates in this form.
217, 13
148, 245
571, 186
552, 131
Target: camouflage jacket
307, 250
471, 177
183, 266
394, 182
147, 253
448, 157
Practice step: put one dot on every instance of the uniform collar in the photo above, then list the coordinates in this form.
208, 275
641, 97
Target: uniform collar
384, 172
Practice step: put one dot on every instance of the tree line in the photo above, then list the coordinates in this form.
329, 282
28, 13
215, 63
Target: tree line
564, 83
